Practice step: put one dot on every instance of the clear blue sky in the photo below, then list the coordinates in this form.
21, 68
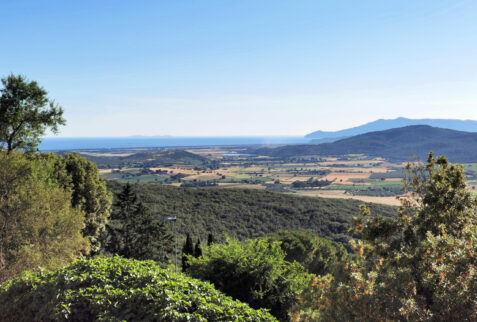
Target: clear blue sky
223, 68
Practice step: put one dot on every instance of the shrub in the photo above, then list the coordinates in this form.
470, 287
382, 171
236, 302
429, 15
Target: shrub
318, 255
115, 289
254, 272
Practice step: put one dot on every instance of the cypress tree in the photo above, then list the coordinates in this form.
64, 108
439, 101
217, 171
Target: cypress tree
210, 239
197, 249
187, 249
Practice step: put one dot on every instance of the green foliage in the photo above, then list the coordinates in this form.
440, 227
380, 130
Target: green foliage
133, 231
318, 255
199, 183
38, 225
25, 114
88, 191
118, 289
397, 173
310, 183
420, 265
248, 213
254, 272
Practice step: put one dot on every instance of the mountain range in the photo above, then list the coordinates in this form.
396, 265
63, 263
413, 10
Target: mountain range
381, 125
397, 144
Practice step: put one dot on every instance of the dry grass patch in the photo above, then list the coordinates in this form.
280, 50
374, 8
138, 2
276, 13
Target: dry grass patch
340, 194
202, 177
104, 171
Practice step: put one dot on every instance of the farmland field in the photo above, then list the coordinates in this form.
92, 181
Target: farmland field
350, 176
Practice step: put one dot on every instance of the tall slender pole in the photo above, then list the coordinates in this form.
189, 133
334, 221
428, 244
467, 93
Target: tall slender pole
175, 233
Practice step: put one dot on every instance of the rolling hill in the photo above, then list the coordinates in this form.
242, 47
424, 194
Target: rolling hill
381, 125
395, 144
147, 159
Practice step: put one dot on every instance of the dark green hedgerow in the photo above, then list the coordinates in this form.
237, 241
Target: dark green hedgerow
117, 289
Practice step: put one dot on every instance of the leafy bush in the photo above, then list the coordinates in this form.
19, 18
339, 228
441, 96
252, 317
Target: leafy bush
318, 255
254, 272
114, 289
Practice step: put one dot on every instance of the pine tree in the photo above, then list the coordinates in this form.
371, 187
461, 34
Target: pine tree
134, 232
151, 240
118, 234
187, 249
197, 249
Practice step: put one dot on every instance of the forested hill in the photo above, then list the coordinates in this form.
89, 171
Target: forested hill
147, 159
248, 213
394, 144
381, 125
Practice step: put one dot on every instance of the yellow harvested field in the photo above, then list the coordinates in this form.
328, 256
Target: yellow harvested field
103, 171
290, 179
340, 194
343, 177
393, 179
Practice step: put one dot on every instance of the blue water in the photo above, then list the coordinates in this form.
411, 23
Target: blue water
55, 144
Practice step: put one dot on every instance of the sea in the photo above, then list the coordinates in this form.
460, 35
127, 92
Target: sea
65, 144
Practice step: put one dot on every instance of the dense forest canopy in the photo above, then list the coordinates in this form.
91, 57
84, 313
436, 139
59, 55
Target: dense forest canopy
247, 213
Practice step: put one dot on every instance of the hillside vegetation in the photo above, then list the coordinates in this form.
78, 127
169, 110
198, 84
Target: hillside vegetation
118, 289
147, 159
395, 144
247, 213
